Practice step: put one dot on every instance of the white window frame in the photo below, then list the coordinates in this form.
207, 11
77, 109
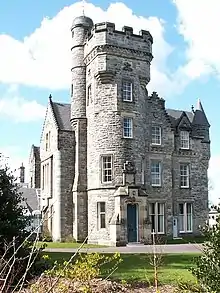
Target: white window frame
127, 127
185, 217
184, 175
184, 140
156, 216
100, 213
156, 135
155, 174
107, 172
127, 91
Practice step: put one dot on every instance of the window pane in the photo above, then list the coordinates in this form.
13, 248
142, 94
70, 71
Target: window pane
102, 207
155, 173
181, 222
152, 209
184, 139
156, 135
127, 91
184, 175
153, 226
181, 209
127, 127
189, 216
189, 208
102, 221
160, 224
160, 207
189, 222
107, 168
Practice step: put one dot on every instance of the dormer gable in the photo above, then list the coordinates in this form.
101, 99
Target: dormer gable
184, 123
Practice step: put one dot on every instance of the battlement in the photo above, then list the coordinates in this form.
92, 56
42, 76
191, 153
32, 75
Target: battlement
126, 31
104, 33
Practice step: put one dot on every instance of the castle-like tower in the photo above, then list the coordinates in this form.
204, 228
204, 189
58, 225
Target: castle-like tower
129, 150
81, 28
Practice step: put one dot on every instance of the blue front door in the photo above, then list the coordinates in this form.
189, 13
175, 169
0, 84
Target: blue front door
132, 222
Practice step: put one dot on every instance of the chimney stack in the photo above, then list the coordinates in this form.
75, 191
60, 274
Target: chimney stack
22, 173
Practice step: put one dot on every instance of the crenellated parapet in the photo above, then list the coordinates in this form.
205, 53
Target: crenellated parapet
105, 39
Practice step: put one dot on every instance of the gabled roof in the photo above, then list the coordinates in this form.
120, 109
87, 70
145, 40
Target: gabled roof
175, 116
62, 113
31, 201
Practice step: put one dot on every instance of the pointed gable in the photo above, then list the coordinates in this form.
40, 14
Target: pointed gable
183, 122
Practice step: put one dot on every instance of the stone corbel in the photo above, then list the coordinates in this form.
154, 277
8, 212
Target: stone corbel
105, 76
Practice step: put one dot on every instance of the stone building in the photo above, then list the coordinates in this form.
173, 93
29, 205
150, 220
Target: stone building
115, 163
34, 167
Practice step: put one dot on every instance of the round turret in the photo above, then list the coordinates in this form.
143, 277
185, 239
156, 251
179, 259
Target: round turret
82, 21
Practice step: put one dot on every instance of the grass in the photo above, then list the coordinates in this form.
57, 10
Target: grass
185, 240
68, 245
136, 267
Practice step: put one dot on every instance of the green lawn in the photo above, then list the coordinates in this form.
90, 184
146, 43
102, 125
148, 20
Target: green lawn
185, 240
67, 245
136, 267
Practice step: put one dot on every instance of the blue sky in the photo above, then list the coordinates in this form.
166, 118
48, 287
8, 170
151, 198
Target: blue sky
35, 45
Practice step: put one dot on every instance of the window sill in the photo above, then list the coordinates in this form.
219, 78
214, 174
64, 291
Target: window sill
185, 232
156, 144
128, 101
125, 137
158, 233
157, 186
184, 187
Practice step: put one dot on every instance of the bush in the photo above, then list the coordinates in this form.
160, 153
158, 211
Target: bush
82, 274
207, 269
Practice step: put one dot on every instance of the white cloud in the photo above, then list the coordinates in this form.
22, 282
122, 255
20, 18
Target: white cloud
198, 23
43, 59
12, 105
214, 175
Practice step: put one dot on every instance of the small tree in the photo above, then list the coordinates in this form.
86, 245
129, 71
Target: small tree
15, 246
207, 269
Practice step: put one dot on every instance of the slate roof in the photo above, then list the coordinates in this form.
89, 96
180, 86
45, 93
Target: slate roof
62, 113
200, 116
31, 199
176, 114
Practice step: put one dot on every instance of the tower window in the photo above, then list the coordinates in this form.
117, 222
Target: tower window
184, 139
101, 213
127, 91
128, 127
71, 90
156, 135
106, 169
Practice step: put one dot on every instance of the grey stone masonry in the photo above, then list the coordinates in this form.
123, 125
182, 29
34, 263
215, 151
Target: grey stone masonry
34, 167
121, 164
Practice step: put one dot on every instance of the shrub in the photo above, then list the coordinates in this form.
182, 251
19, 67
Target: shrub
207, 266
83, 272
